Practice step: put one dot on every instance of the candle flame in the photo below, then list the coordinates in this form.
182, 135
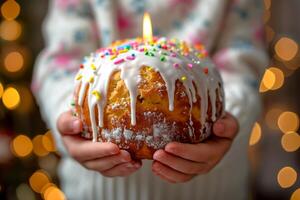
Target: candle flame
147, 28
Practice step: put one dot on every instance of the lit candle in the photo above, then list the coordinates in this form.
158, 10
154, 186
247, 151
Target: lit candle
147, 28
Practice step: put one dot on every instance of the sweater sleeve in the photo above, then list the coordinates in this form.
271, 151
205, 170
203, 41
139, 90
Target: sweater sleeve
241, 56
69, 35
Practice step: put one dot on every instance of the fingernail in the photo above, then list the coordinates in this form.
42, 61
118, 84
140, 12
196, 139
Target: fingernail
76, 126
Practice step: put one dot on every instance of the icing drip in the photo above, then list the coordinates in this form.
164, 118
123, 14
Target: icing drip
173, 59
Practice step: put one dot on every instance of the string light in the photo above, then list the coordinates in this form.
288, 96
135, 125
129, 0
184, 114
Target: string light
11, 98
21, 146
38, 147
288, 121
286, 48
26, 99
255, 134
286, 177
48, 142
296, 195
53, 193
10, 30
38, 180
268, 81
13, 61
10, 9
290, 141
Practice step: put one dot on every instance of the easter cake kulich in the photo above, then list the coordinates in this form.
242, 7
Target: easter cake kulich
142, 95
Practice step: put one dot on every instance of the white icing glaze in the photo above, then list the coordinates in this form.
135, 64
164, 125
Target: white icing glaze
188, 68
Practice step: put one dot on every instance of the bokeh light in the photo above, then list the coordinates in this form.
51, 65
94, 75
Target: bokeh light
255, 134
290, 141
10, 9
10, 30
11, 98
13, 61
38, 147
286, 48
53, 193
1, 90
267, 16
38, 180
21, 146
23, 191
296, 195
286, 177
288, 121
267, 81
48, 142
279, 78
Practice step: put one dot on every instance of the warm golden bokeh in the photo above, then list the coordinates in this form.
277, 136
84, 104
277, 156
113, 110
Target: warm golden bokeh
296, 195
38, 180
10, 9
13, 61
21, 146
290, 141
11, 98
255, 134
269, 33
267, 81
10, 30
286, 48
288, 121
279, 78
48, 142
26, 99
286, 177
1, 90
38, 147
53, 193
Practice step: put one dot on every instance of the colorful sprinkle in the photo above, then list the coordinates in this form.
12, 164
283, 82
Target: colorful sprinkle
96, 94
91, 80
119, 61
79, 77
176, 65
183, 78
81, 66
162, 58
205, 70
72, 103
130, 57
190, 65
113, 57
93, 66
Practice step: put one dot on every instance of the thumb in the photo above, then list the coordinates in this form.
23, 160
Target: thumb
226, 127
68, 124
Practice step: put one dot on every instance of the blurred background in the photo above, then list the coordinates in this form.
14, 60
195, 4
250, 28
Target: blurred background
28, 158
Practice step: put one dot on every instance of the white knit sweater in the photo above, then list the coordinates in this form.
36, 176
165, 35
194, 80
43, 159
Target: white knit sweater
232, 33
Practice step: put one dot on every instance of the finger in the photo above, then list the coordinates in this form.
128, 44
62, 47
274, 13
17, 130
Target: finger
83, 150
108, 162
169, 173
124, 169
208, 151
69, 124
177, 163
226, 127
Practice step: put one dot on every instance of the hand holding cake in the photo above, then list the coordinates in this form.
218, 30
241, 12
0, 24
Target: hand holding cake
146, 95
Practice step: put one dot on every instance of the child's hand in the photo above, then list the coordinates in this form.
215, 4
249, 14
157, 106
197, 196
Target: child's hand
180, 162
105, 158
